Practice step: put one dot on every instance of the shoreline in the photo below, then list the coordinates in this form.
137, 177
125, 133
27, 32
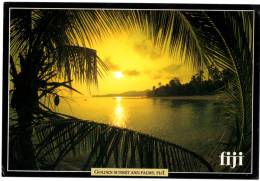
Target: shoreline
197, 97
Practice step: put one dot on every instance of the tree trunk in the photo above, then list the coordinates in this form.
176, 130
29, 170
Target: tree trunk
27, 158
25, 102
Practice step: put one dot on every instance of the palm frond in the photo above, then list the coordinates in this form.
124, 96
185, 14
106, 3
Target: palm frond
21, 29
189, 34
79, 63
58, 33
239, 44
101, 145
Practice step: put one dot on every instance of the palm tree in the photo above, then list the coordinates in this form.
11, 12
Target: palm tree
50, 43
203, 38
47, 45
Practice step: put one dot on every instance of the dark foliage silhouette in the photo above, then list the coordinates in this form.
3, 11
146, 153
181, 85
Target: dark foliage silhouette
50, 48
198, 85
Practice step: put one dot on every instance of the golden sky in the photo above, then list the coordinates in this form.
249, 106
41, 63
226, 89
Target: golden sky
135, 64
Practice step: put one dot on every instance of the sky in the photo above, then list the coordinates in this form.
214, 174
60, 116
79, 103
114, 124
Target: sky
135, 64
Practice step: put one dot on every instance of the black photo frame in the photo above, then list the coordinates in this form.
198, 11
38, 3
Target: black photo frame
254, 174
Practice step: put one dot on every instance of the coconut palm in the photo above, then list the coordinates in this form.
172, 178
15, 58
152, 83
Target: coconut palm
224, 39
49, 44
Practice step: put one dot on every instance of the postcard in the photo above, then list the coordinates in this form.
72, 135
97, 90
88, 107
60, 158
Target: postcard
131, 90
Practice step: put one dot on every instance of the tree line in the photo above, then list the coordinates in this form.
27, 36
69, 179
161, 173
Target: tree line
198, 85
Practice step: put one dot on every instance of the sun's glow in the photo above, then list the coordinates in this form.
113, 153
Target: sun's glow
135, 64
119, 116
118, 75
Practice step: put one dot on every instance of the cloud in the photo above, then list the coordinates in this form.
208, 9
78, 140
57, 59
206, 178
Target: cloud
110, 65
167, 72
145, 47
175, 70
171, 68
131, 72
156, 76
114, 67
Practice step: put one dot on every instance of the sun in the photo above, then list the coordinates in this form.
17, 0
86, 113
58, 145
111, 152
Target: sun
118, 75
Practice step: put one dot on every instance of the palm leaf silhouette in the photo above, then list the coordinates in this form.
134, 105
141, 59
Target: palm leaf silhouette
57, 137
62, 36
238, 43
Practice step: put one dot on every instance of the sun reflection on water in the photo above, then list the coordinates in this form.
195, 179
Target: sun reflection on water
119, 116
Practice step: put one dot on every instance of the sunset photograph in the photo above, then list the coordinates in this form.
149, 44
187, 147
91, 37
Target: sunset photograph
130, 88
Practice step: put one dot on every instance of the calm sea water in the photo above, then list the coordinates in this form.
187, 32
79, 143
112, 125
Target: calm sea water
193, 124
